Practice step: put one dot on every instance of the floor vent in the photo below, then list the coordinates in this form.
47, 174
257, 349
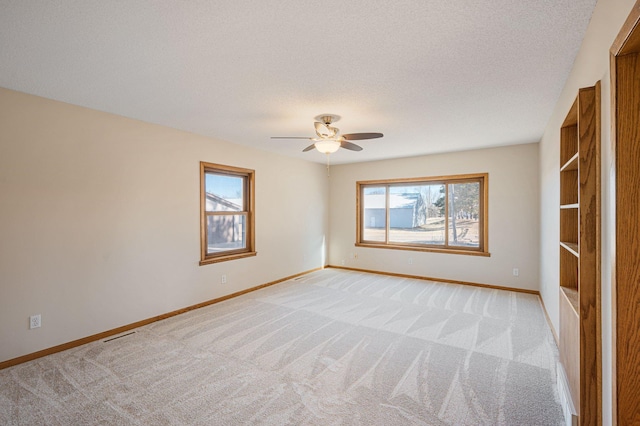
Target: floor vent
118, 337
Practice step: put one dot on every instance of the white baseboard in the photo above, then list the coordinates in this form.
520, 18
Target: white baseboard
570, 415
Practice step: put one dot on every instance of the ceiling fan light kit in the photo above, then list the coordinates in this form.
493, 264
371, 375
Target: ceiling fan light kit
327, 146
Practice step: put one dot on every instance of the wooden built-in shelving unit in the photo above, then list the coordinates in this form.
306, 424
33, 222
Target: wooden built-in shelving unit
580, 253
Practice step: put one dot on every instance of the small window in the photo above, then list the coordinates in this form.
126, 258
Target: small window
442, 214
226, 213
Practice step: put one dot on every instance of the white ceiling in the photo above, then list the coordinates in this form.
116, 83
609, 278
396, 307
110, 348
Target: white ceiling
432, 75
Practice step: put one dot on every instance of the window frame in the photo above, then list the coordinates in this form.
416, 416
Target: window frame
483, 211
249, 212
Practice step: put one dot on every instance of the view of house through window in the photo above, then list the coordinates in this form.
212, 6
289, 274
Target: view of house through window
438, 213
224, 194
227, 216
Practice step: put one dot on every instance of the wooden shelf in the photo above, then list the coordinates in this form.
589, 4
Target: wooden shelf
571, 248
570, 225
572, 164
569, 186
569, 267
573, 298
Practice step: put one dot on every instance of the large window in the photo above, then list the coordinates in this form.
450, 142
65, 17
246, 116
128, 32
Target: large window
226, 213
444, 214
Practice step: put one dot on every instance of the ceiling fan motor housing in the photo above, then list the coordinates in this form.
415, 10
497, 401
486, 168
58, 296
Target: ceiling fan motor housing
327, 118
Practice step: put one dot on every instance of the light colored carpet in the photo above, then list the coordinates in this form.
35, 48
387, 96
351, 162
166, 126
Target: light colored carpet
330, 348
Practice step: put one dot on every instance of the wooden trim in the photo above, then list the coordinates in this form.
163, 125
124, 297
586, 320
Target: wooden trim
442, 280
251, 236
483, 232
248, 212
359, 190
137, 324
224, 169
627, 38
612, 259
203, 216
230, 213
226, 257
625, 121
589, 130
387, 215
431, 249
484, 205
431, 179
446, 218
546, 315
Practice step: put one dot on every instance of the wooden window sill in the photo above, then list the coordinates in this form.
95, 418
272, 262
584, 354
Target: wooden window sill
426, 249
225, 258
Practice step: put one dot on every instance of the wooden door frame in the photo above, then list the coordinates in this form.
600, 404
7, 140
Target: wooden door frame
625, 120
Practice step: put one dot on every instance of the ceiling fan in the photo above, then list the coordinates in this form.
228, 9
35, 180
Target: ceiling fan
329, 139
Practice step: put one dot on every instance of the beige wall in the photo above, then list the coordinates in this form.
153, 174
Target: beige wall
591, 65
513, 217
99, 214
99, 221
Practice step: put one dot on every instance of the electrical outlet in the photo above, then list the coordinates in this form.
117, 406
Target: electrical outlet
35, 321
343, 262
516, 272
355, 256
411, 261
223, 279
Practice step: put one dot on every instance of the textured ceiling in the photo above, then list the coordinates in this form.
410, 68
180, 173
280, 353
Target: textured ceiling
433, 76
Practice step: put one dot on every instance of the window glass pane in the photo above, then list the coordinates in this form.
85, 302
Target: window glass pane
374, 216
416, 214
464, 212
226, 232
224, 193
